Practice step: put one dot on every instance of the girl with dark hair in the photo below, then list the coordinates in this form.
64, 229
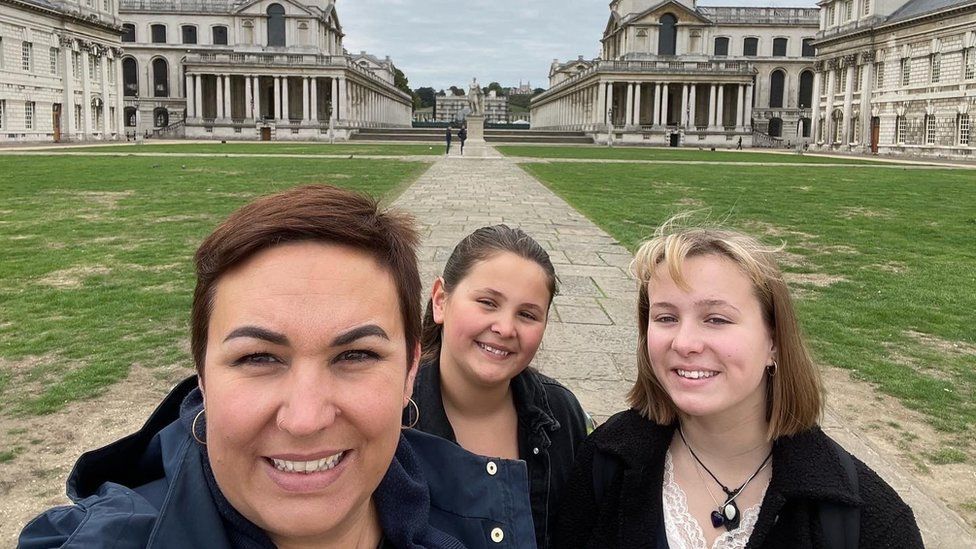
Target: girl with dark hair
483, 325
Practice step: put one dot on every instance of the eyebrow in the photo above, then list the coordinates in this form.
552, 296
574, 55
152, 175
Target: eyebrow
369, 330
497, 294
701, 303
255, 332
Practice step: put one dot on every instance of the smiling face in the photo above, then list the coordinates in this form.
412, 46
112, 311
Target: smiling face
305, 378
709, 344
493, 320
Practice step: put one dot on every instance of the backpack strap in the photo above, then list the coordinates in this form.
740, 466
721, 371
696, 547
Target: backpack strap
842, 523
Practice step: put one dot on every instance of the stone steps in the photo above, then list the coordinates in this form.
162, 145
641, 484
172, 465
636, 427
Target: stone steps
432, 135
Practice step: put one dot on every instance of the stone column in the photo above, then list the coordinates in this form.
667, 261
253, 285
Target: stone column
601, 99
256, 97
119, 94
103, 62
276, 107
68, 103
305, 100
637, 104
228, 105
609, 103
86, 125
749, 99
815, 107
664, 103
629, 113
848, 104
682, 118
656, 105
285, 107
248, 99
692, 104
220, 96
343, 110
740, 106
198, 95
867, 86
829, 107
314, 98
720, 108
334, 97
190, 101
712, 106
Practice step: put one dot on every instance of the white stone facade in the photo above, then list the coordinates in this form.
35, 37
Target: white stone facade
449, 108
675, 73
897, 77
235, 69
60, 71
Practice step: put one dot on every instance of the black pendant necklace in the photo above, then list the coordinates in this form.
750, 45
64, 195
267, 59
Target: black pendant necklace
727, 514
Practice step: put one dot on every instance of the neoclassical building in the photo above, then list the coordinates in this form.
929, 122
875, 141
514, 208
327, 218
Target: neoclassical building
60, 70
251, 69
449, 108
672, 72
897, 76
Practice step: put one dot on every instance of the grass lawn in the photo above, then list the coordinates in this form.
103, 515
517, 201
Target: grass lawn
688, 155
95, 267
883, 260
271, 148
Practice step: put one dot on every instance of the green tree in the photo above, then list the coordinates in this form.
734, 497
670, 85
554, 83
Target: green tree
426, 95
456, 91
496, 87
537, 91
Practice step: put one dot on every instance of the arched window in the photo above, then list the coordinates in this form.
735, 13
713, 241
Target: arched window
189, 34
158, 34
776, 81
775, 127
130, 77
806, 90
750, 47
779, 47
220, 35
160, 72
160, 117
805, 126
276, 25
722, 46
667, 38
130, 117
128, 32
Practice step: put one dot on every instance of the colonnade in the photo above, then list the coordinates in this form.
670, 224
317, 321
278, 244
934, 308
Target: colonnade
351, 102
705, 107
853, 125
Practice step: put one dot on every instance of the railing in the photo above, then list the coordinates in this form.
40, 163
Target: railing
767, 16
765, 141
168, 130
205, 6
264, 58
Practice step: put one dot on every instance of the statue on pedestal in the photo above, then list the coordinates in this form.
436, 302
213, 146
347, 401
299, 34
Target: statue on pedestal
476, 98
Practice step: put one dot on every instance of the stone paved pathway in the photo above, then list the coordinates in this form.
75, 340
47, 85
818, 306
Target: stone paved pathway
591, 339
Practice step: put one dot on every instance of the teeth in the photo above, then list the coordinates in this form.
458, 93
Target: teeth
306, 467
696, 374
492, 350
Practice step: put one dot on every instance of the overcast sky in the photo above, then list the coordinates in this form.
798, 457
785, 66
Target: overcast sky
438, 43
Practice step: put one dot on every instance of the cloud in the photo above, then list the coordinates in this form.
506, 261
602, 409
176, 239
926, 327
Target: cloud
440, 43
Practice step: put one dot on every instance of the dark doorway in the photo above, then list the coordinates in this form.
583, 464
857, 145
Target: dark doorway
775, 127
265, 134
56, 114
875, 133
160, 117
675, 139
667, 38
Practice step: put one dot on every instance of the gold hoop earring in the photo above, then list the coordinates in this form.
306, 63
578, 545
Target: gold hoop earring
416, 418
193, 427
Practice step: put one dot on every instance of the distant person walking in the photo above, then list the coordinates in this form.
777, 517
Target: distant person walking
462, 135
738, 146
447, 139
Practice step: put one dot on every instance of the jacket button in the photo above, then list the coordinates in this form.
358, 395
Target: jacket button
492, 469
535, 451
497, 535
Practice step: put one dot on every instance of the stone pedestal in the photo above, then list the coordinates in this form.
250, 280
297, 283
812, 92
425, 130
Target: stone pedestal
476, 128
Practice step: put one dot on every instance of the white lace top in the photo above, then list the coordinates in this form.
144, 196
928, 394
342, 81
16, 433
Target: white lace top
683, 530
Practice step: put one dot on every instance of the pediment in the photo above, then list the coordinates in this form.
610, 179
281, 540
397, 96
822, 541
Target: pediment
612, 24
260, 7
685, 15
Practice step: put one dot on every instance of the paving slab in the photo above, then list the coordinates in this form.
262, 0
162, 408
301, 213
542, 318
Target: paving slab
590, 343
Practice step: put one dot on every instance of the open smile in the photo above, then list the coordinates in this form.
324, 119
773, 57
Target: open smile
695, 374
299, 474
494, 350
313, 466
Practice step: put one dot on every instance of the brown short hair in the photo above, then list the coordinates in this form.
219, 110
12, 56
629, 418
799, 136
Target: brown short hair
318, 213
794, 397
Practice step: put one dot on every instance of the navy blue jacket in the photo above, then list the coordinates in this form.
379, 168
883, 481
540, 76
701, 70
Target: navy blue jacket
150, 489
551, 424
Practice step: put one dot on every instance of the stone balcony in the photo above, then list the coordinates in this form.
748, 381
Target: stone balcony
178, 6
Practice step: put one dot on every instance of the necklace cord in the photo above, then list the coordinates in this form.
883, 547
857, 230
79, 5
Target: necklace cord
731, 494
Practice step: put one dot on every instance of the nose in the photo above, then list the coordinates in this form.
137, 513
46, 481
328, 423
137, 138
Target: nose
307, 401
687, 339
503, 325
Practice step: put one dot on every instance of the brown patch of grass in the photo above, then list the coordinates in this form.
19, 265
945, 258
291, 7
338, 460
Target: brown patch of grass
942, 345
73, 277
820, 280
860, 211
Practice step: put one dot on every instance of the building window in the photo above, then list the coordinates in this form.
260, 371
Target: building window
970, 63
963, 123
838, 126
776, 84
158, 34
128, 32
160, 77
900, 130
855, 129
667, 38
78, 116
848, 10
935, 63
3, 110
1, 53
820, 129
27, 56
830, 15
189, 34
929, 129
750, 47
276, 25
76, 65
808, 49
130, 117
220, 35
841, 80
92, 67
906, 71
879, 75
779, 47
55, 55
722, 46
111, 71
806, 90
29, 115
865, 7
857, 78
130, 77
160, 117
106, 5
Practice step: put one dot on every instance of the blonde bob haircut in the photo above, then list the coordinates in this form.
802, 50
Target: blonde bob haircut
794, 395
